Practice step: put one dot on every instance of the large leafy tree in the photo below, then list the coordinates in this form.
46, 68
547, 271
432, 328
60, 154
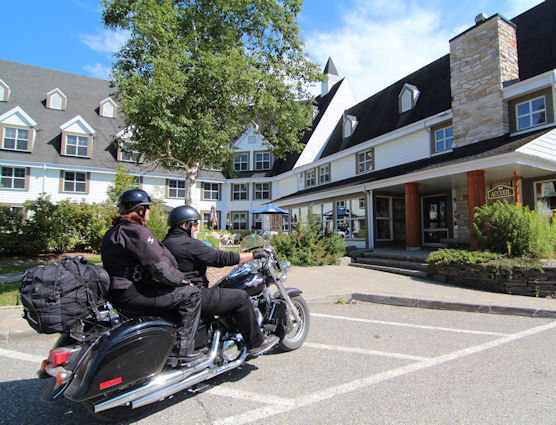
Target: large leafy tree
195, 73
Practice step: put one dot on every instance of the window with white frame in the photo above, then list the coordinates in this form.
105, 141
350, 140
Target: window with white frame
531, 113
176, 189
241, 162
77, 145
365, 161
324, 174
443, 139
239, 221
127, 153
16, 139
310, 179
75, 182
239, 191
210, 191
262, 160
262, 190
12, 178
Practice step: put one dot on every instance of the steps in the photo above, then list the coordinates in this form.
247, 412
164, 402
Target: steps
404, 263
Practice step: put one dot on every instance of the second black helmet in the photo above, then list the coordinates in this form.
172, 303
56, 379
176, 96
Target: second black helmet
182, 214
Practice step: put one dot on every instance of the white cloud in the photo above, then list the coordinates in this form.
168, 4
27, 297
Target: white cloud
99, 70
381, 41
105, 41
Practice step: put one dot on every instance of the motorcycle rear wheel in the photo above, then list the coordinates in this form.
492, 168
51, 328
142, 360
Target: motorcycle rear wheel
296, 336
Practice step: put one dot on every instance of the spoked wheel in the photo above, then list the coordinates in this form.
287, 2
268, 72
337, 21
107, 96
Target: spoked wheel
116, 414
296, 336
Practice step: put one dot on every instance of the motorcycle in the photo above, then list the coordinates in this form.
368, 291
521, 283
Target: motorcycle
117, 364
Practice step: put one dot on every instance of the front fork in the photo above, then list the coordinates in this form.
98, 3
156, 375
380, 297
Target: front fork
285, 296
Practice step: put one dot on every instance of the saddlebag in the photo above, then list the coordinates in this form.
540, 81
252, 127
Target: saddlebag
57, 295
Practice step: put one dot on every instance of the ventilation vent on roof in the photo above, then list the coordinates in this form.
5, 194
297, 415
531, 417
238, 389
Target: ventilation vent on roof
4, 91
55, 99
408, 97
481, 17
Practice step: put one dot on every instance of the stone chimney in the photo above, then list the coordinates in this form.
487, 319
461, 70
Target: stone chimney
331, 77
482, 59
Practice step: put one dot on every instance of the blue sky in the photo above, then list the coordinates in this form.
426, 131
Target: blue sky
372, 42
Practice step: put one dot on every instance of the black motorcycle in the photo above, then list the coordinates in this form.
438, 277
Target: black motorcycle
117, 364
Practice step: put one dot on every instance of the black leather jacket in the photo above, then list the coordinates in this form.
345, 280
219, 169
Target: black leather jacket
131, 253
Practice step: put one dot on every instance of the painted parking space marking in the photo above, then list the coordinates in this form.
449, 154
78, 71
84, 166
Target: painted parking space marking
408, 325
356, 350
258, 415
21, 356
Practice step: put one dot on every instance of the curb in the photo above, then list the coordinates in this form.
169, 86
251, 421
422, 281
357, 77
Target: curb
447, 305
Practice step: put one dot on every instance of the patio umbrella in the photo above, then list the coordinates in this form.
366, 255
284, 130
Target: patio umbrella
270, 209
213, 220
340, 212
229, 220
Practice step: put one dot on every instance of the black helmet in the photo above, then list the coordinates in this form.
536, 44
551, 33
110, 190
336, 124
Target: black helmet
131, 199
182, 214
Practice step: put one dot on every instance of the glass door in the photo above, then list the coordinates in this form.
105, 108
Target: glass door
435, 219
399, 220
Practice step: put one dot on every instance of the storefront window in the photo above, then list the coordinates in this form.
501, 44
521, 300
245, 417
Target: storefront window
383, 214
545, 198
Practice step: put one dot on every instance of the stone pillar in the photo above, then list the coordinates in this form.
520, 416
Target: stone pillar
412, 230
476, 198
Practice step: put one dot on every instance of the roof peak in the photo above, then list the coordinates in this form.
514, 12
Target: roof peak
330, 68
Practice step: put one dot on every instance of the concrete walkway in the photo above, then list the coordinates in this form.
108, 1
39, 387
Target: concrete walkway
332, 283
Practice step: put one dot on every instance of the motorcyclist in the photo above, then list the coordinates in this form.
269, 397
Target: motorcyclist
144, 276
193, 257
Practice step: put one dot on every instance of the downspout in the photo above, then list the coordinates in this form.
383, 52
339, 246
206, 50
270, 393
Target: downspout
43, 178
370, 219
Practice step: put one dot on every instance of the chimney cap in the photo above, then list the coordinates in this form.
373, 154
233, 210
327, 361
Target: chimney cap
481, 17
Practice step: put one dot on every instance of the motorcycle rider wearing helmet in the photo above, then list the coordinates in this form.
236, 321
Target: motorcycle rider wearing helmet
143, 274
193, 257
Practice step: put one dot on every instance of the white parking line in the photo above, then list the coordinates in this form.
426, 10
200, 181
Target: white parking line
21, 356
258, 415
246, 395
363, 351
408, 325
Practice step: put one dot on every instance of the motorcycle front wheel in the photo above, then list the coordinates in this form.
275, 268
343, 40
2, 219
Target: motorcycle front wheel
296, 336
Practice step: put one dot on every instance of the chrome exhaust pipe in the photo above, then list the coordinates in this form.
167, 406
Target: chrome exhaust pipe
188, 382
160, 381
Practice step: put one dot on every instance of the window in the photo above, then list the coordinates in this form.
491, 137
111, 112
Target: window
210, 191
365, 161
443, 139
408, 97
383, 214
239, 191
310, 178
324, 174
545, 198
77, 145
176, 189
258, 221
239, 221
531, 113
241, 162
252, 140
350, 122
208, 222
262, 160
13, 178
262, 190
127, 153
16, 139
75, 182
108, 108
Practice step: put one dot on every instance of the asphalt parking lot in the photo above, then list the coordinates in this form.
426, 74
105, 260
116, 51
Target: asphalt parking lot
362, 363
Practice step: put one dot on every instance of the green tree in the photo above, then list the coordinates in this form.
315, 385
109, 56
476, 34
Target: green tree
194, 74
122, 181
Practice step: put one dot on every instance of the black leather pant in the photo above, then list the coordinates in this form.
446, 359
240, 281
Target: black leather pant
183, 301
235, 304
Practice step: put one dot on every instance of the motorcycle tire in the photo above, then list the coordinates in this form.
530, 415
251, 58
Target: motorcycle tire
296, 337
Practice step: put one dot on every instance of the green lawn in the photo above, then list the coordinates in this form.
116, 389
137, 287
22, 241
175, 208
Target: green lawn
8, 293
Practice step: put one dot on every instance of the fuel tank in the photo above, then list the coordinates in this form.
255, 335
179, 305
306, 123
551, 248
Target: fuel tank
243, 277
132, 351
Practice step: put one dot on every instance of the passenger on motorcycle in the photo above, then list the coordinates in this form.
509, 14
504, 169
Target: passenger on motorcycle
143, 276
193, 257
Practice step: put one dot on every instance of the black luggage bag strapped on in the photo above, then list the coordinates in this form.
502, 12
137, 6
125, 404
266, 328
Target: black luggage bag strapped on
57, 295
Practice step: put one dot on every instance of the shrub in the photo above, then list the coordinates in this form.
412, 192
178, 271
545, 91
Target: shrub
11, 224
460, 257
513, 230
204, 235
306, 245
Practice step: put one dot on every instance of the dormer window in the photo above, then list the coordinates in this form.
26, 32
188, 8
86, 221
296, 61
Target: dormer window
17, 130
408, 97
4, 91
241, 161
126, 153
108, 108
77, 138
350, 122
55, 99
263, 160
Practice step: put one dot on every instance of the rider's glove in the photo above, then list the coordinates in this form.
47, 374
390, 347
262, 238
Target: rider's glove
260, 254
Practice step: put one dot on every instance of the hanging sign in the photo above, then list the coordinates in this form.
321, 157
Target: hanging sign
500, 191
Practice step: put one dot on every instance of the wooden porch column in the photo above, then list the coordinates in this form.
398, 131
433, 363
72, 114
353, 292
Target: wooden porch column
413, 239
476, 198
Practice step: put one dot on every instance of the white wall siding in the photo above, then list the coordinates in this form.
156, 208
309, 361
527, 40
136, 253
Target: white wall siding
343, 168
403, 150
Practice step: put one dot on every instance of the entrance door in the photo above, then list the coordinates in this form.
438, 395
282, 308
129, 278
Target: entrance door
435, 219
399, 220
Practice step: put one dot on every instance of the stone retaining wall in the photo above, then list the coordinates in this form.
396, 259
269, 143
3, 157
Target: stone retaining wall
533, 283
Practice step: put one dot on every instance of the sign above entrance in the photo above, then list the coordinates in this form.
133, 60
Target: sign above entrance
500, 191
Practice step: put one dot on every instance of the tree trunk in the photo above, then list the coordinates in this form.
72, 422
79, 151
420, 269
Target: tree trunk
191, 172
